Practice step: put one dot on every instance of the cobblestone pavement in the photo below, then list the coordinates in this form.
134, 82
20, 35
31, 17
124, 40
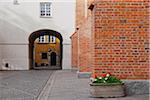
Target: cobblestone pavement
48, 85
22, 85
66, 86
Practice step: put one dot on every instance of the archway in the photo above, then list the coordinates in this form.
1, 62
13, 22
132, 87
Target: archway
44, 55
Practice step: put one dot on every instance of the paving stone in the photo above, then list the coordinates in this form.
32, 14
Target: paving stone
27, 85
22, 85
67, 86
137, 87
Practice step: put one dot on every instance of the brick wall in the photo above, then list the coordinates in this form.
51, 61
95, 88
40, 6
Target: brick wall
85, 46
80, 16
122, 38
74, 48
81, 53
114, 38
80, 12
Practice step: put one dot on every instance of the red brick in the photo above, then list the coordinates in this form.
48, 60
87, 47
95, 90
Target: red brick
116, 39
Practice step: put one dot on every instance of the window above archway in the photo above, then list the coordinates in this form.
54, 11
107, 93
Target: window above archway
46, 9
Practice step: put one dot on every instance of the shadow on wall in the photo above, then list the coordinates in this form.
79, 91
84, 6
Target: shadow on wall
22, 21
8, 58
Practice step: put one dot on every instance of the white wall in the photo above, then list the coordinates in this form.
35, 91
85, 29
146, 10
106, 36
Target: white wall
17, 22
67, 56
16, 59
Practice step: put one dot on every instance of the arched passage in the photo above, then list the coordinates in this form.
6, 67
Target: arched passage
33, 37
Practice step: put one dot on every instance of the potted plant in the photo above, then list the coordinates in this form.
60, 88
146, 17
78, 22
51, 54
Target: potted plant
106, 86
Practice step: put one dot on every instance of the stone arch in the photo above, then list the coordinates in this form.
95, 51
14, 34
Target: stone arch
33, 36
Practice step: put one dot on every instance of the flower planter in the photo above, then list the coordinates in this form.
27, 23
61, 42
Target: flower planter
107, 90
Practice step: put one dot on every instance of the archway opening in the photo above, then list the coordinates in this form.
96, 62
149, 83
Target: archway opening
45, 49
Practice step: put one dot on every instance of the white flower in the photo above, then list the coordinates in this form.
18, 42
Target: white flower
107, 75
104, 81
100, 78
95, 79
92, 79
106, 78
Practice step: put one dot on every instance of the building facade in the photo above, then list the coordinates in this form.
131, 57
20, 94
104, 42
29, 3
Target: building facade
23, 22
47, 52
112, 36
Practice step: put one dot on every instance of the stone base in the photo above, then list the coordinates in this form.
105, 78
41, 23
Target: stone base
137, 87
84, 74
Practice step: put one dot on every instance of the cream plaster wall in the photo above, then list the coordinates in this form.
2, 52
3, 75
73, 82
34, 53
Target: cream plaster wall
17, 22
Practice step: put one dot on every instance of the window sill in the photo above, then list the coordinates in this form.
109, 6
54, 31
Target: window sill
46, 43
46, 17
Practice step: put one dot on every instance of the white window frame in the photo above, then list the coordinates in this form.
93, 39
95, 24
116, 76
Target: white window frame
45, 9
52, 38
42, 39
47, 39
